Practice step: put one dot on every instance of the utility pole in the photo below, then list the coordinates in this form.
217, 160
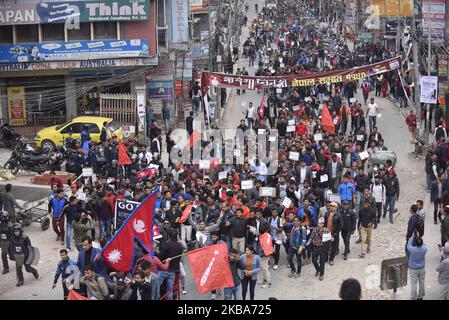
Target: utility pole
428, 109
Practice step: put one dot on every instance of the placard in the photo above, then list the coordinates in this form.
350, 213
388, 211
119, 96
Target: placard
360, 137
282, 65
236, 152
272, 138
260, 131
353, 100
152, 165
81, 196
338, 156
313, 174
278, 90
88, 172
296, 108
222, 175
327, 237
318, 137
294, 156
204, 164
429, 88
267, 192
247, 184
123, 210
287, 202
364, 155
324, 178
379, 115
291, 122
290, 128
326, 98
308, 99
334, 198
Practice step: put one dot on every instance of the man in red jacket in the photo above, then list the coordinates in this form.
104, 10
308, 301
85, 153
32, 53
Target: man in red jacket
55, 180
301, 129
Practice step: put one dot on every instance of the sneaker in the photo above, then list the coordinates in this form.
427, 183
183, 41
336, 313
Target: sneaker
5, 271
213, 296
297, 275
331, 263
321, 278
368, 250
266, 286
317, 274
361, 256
358, 241
275, 267
58, 237
395, 210
184, 292
261, 282
345, 257
291, 274
375, 227
35, 274
435, 221
19, 283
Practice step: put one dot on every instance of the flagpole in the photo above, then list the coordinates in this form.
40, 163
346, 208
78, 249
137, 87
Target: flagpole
179, 255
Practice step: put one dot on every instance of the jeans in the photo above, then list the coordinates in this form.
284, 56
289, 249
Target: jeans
365, 236
372, 123
319, 252
277, 251
105, 226
170, 277
186, 233
346, 235
239, 244
252, 287
4, 246
417, 276
250, 123
58, 227
227, 238
68, 236
256, 246
333, 247
291, 253
436, 209
389, 204
444, 292
379, 212
358, 199
155, 294
344, 126
196, 103
235, 291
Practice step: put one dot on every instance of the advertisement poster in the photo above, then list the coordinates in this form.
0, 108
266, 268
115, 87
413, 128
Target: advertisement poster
81, 50
74, 11
429, 88
180, 21
162, 90
17, 106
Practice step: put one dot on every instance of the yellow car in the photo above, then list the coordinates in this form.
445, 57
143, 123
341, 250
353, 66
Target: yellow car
53, 137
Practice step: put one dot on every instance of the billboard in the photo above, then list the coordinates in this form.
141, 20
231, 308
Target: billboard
81, 50
16, 106
180, 21
434, 17
75, 11
161, 90
392, 8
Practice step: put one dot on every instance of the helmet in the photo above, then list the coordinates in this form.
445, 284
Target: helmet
17, 226
4, 216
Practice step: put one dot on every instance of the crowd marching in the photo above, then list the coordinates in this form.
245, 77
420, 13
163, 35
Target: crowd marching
328, 184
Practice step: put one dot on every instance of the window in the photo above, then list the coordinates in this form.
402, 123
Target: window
28, 33
161, 13
105, 30
73, 128
93, 128
53, 32
81, 33
6, 34
162, 37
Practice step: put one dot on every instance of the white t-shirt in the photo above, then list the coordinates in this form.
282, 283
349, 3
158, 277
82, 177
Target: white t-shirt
372, 110
251, 112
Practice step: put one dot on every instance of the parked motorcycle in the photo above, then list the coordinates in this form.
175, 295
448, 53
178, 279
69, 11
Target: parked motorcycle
25, 158
8, 136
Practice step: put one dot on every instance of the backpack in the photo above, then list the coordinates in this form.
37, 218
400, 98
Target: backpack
420, 226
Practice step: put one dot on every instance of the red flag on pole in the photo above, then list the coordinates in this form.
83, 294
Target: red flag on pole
261, 109
266, 242
186, 213
119, 251
326, 120
210, 268
73, 295
123, 158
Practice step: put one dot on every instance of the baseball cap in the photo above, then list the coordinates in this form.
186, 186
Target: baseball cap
334, 204
345, 202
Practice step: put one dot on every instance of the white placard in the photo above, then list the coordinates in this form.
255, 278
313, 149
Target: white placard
94, 178
338, 156
364, 155
291, 122
291, 129
287, 202
308, 99
324, 178
294, 156
152, 165
260, 131
318, 137
247, 184
272, 139
360, 137
334, 198
282, 65
313, 174
326, 98
88, 172
429, 87
327, 237
353, 100
379, 115
236, 152
278, 90
222, 175
296, 108
204, 164
267, 192
81, 196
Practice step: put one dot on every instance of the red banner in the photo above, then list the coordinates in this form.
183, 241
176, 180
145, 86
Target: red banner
224, 80
266, 242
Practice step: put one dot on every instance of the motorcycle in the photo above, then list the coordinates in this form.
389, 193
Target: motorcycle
8, 136
24, 158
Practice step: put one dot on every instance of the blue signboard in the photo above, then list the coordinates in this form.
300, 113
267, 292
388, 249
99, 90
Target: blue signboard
81, 50
162, 90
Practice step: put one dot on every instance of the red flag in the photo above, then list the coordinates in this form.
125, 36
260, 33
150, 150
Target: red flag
73, 295
210, 268
186, 213
326, 120
261, 109
147, 173
266, 243
123, 158
194, 137
156, 233
205, 83
119, 251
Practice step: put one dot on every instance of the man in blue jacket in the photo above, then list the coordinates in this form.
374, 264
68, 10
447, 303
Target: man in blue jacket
346, 191
416, 265
57, 204
91, 256
297, 245
64, 269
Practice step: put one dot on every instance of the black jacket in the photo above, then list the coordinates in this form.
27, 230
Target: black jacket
189, 124
337, 222
362, 183
237, 227
144, 289
5, 232
19, 245
391, 186
366, 216
349, 218
169, 250
235, 266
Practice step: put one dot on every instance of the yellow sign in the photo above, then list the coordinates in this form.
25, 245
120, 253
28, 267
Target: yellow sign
16, 106
392, 8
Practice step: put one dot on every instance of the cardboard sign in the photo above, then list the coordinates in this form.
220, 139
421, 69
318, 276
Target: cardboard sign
287, 202
318, 137
267, 192
247, 184
278, 90
326, 98
334, 198
222, 175
291, 129
204, 164
296, 108
327, 237
324, 178
291, 122
338, 156
293, 156
364, 155
313, 174
236, 152
260, 131
282, 65
360, 137
81, 196
123, 210
308, 99
88, 172
272, 139
353, 100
